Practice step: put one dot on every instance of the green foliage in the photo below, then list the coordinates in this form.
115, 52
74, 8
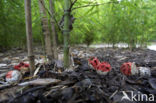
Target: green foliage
128, 21
12, 30
89, 35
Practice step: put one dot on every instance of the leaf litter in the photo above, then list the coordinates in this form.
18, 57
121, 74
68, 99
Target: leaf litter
51, 83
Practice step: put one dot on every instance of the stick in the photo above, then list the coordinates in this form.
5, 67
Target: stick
92, 5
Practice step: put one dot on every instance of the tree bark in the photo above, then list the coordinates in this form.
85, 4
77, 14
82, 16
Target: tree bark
45, 29
66, 33
29, 35
53, 29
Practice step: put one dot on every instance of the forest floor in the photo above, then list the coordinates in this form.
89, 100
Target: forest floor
80, 84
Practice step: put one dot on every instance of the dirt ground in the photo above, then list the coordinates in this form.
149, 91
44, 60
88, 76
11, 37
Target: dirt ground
81, 84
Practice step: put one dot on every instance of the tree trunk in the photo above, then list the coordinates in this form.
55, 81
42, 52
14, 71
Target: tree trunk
53, 29
66, 33
113, 45
45, 29
29, 35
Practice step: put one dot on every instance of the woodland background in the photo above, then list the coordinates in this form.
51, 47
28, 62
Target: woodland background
96, 21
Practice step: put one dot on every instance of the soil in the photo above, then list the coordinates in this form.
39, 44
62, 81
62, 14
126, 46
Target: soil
83, 84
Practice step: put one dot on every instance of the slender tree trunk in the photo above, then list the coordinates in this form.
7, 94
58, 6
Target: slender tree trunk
113, 45
29, 35
45, 29
53, 30
66, 33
